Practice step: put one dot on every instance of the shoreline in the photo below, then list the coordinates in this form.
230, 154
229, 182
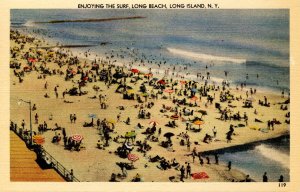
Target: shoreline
159, 72
244, 147
180, 152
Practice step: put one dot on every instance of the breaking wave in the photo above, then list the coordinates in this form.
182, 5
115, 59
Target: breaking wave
274, 155
202, 56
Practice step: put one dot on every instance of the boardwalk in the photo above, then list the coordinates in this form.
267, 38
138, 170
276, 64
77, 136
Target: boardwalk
23, 166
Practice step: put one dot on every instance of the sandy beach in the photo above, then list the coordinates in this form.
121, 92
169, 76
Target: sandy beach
196, 107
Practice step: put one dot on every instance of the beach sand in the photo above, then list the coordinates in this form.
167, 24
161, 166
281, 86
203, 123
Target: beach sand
93, 164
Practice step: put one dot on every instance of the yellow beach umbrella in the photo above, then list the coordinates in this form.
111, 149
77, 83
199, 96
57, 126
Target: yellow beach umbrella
130, 91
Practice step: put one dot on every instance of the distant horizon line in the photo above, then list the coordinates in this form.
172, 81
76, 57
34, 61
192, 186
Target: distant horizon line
91, 20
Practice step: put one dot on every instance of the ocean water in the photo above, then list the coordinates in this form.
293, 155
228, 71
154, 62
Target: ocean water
241, 42
271, 157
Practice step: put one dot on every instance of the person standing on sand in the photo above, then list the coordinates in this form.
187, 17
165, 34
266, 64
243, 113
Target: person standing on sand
217, 159
188, 170
208, 160
214, 131
118, 117
229, 165
265, 177
182, 170
23, 124
188, 145
36, 118
74, 118
71, 118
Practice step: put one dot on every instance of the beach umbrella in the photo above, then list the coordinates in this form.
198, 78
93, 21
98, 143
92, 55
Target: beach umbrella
200, 175
118, 75
194, 90
130, 134
148, 75
135, 71
250, 99
144, 94
130, 91
38, 139
162, 82
174, 117
128, 145
182, 82
76, 137
92, 115
194, 98
132, 157
169, 135
32, 60
152, 122
169, 91
198, 122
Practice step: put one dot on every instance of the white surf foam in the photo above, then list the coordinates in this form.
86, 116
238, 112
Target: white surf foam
29, 23
274, 155
202, 56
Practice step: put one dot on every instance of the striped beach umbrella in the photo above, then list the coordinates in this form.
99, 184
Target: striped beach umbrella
153, 122
77, 137
132, 157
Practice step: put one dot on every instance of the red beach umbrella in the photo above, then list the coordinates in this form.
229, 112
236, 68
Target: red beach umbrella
174, 117
132, 157
148, 75
135, 71
77, 137
194, 98
200, 175
168, 90
182, 82
32, 60
163, 82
